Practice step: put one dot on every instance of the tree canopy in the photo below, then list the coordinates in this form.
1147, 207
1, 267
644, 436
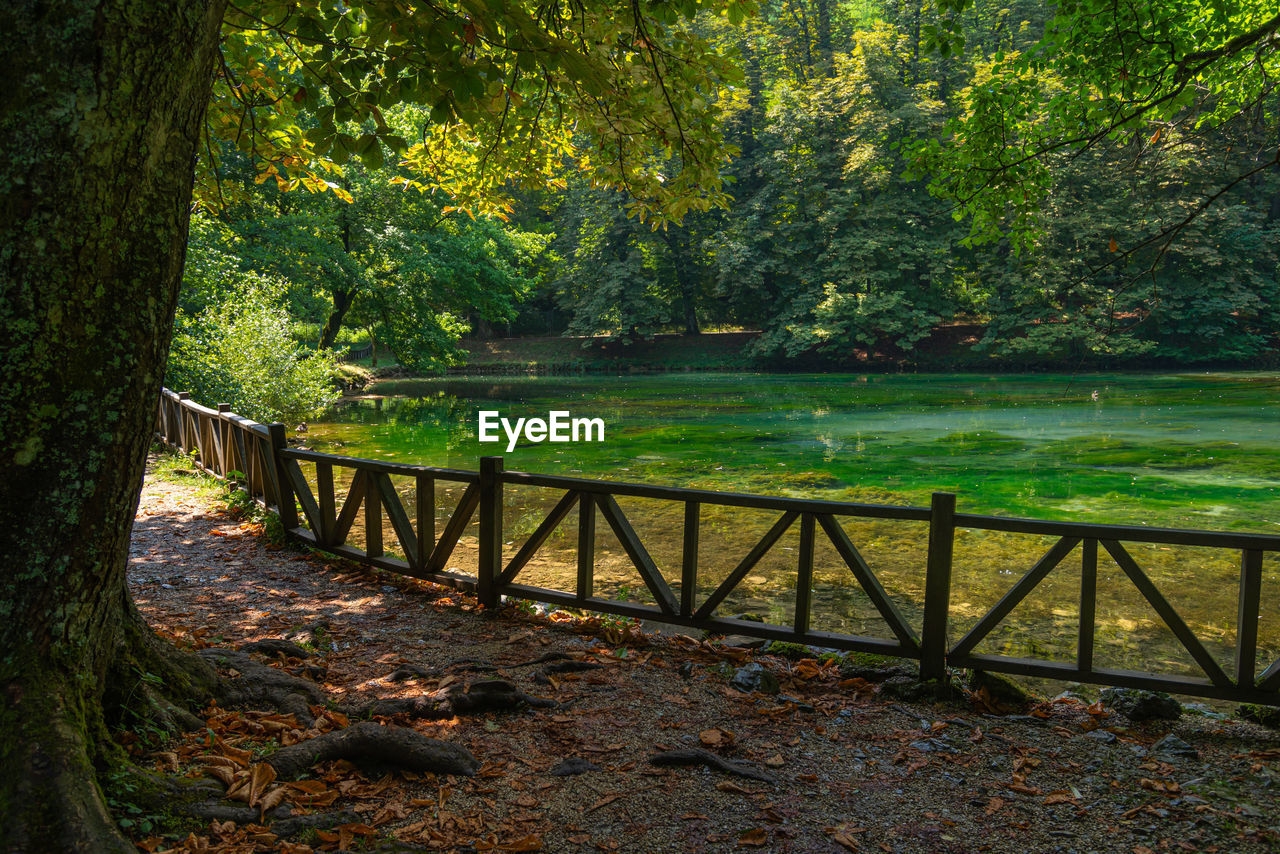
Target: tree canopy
1149, 81
470, 96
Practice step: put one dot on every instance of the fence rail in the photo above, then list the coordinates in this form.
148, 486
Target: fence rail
258, 456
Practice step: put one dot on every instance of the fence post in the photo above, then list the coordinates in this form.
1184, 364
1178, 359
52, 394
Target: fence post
937, 586
182, 422
490, 531
162, 422
286, 508
224, 441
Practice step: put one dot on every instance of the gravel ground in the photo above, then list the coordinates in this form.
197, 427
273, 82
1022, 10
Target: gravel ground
852, 770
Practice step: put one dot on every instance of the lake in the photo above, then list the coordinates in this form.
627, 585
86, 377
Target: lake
1186, 450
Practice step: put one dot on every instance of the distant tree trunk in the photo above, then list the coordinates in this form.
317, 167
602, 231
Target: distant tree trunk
343, 297
916, 15
802, 24
99, 125
691, 326
678, 248
342, 300
826, 63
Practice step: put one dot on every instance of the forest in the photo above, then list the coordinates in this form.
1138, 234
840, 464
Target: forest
847, 233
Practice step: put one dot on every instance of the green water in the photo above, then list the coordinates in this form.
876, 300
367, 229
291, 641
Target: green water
1195, 451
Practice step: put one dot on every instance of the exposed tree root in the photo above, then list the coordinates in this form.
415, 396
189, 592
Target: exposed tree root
490, 695
281, 820
370, 742
203, 800
413, 671
571, 666
294, 825
153, 681
260, 686
275, 646
698, 756
543, 659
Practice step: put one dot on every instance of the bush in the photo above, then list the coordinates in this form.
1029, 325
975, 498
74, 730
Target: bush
241, 351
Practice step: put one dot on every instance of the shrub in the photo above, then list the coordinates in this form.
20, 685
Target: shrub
241, 351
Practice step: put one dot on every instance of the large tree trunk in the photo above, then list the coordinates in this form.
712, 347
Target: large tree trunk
99, 122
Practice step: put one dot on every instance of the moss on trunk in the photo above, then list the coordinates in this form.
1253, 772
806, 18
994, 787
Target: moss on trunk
99, 127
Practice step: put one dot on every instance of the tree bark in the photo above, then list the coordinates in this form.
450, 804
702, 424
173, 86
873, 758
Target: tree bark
342, 300
99, 123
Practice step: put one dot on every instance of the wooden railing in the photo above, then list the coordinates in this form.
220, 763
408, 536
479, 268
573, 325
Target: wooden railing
224, 443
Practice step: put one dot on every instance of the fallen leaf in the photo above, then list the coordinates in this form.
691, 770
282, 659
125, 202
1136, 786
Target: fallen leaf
605, 801
260, 776
716, 737
222, 773
755, 838
730, 786
271, 800
531, 842
842, 837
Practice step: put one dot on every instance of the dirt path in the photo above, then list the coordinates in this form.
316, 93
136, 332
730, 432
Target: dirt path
854, 771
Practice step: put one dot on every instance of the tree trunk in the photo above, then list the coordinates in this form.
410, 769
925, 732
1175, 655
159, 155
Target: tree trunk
342, 300
99, 125
916, 14
680, 263
342, 297
826, 64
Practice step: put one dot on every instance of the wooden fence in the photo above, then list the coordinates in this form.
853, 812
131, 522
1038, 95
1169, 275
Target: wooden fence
257, 455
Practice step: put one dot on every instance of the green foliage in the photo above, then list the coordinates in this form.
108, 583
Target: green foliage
387, 268
126, 799
239, 351
1120, 150
492, 91
902, 167
240, 505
